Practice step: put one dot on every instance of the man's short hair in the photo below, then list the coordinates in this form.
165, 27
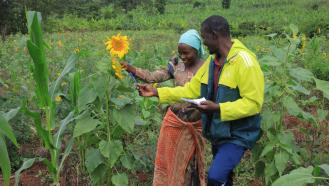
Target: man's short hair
216, 24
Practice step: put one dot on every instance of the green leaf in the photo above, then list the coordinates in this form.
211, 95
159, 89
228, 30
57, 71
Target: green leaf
270, 171
269, 118
35, 47
281, 158
322, 86
86, 95
121, 101
6, 130
30, 16
126, 162
62, 128
259, 168
272, 35
99, 174
116, 149
301, 74
279, 54
292, 107
26, 164
325, 167
100, 84
12, 113
268, 148
296, 158
297, 177
4, 161
93, 159
322, 114
74, 89
104, 147
70, 64
66, 153
120, 179
301, 89
270, 61
308, 116
287, 139
42, 133
146, 113
85, 125
125, 117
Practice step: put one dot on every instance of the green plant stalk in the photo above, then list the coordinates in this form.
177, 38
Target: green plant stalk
107, 96
321, 178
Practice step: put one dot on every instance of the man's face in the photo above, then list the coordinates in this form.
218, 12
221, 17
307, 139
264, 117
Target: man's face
209, 40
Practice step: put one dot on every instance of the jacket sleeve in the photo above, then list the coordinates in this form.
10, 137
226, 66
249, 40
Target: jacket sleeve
250, 82
190, 90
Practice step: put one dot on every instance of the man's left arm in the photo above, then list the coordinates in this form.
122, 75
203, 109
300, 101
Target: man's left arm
250, 82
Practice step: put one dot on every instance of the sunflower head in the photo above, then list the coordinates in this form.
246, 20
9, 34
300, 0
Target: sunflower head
303, 42
58, 99
117, 46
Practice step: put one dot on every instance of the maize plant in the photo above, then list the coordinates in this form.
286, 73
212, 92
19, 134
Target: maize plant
44, 117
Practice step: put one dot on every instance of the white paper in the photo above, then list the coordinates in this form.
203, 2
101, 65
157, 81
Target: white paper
194, 101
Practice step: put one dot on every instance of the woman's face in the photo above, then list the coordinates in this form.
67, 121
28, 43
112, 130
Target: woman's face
187, 54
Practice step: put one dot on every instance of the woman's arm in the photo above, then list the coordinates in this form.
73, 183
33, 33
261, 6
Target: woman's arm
156, 76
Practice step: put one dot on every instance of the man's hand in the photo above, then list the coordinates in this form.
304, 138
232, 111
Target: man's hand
208, 106
147, 90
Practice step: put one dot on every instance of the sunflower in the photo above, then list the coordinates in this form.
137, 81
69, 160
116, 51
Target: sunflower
116, 66
117, 46
303, 42
77, 50
59, 44
58, 99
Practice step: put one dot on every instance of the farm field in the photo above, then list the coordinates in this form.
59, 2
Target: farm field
70, 116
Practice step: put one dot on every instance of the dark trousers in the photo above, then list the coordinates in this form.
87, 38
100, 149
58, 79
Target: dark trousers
225, 158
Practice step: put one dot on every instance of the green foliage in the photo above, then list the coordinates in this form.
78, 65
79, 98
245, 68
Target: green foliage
316, 58
6, 131
303, 176
182, 15
26, 164
120, 180
285, 81
298, 177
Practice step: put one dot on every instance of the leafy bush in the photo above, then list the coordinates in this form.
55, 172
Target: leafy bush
316, 58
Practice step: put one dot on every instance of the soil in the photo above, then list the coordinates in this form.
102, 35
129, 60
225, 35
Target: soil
38, 175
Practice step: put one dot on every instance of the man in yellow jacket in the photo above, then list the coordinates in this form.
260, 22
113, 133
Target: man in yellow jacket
232, 82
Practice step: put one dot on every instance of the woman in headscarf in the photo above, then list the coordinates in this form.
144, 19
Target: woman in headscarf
180, 153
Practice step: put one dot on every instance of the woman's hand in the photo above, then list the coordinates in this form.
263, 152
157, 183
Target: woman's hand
208, 106
128, 67
147, 90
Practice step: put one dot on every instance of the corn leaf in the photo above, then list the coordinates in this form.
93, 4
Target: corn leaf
4, 161
35, 46
70, 64
69, 118
26, 164
42, 133
6, 130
